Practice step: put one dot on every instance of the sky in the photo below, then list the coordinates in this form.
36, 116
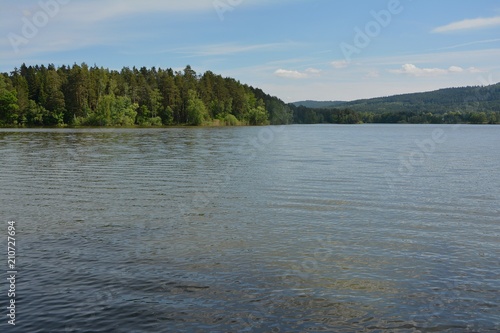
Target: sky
292, 49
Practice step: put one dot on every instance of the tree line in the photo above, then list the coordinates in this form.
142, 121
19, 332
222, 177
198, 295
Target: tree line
80, 95
304, 115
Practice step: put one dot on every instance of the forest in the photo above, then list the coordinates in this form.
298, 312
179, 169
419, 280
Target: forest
80, 95
304, 115
464, 105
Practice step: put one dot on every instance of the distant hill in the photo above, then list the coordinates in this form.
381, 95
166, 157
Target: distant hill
466, 105
318, 104
483, 99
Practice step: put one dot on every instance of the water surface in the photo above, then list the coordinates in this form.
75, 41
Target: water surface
375, 228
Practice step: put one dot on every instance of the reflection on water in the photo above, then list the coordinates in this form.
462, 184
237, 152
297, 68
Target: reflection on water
312, 228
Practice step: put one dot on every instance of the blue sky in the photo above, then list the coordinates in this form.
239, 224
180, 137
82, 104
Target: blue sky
294, 49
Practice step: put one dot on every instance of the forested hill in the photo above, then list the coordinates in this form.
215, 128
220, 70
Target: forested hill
80, 95
439, 102
476, 105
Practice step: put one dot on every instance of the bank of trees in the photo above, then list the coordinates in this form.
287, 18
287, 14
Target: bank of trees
304, 115
80, 95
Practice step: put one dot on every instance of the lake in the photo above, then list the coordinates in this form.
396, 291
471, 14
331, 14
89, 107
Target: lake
369, 228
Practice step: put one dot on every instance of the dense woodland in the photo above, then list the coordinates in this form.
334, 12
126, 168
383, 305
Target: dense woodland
80, 95
304, 115
468, 105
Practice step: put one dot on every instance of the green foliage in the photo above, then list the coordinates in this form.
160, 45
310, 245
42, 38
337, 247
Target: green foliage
8, 108
112, 111
196, 110
8, 104
303, 115
478, 118
228, 120
22, 95
258, 116
80, 95
52, 98
155, 99
280, 114
167, 116
124, 112
36, 114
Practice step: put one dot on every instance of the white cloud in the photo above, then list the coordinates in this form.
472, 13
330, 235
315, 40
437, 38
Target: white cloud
410, 69
469, 24
455, 69
290, 74
340, 64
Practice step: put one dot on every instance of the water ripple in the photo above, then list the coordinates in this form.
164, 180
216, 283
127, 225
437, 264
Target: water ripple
320, 230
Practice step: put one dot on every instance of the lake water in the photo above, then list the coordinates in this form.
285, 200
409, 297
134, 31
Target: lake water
373, 228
